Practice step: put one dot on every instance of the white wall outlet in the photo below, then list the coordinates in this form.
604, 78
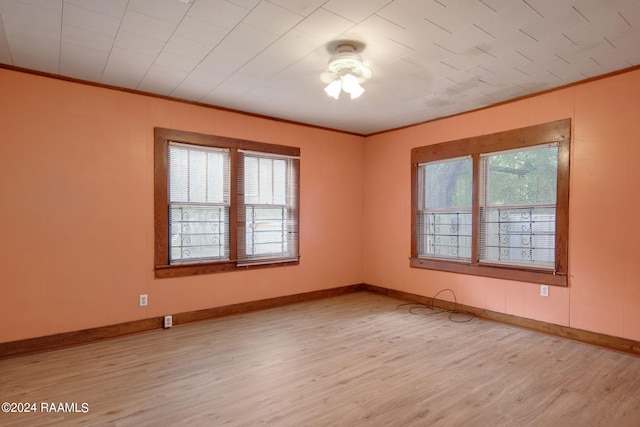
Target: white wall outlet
143, 300
168, 322
544, 290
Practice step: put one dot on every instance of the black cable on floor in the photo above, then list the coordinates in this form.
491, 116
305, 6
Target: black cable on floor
424, 309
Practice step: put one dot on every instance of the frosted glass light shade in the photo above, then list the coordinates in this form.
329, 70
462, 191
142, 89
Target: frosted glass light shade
351, 85
333, 89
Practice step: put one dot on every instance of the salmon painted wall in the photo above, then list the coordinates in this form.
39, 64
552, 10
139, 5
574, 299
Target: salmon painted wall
604, 274
76, 208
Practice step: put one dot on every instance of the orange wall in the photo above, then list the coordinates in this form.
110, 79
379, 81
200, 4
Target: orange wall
76, 213
604, 275
76, 192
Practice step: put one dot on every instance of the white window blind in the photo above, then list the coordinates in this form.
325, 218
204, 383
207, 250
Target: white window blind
268, 214
518, 207
198, 203
444, 213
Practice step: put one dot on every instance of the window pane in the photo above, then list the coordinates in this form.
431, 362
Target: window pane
266, 230
265, 181
198, 203
198, 232
526, 177
518, 207
519, 236
269, 210
198, 175
444, 217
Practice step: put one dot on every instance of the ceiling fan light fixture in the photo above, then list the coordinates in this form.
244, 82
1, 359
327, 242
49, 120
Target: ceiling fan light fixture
348, 70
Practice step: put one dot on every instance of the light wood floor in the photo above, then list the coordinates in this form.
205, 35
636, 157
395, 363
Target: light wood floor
345, 361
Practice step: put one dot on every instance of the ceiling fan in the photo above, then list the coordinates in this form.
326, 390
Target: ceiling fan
346, 70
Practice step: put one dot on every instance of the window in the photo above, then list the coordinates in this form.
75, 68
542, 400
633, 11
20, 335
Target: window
444, 214
223, 204
198, 203
518, 206
494, 205
267, 210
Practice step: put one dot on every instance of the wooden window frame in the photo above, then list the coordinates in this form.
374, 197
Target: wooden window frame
554, 132
162, 137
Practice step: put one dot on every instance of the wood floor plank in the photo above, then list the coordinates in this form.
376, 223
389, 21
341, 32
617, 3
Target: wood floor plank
355, 359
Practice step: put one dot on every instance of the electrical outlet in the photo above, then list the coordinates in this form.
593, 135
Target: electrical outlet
144, 300
168, 322
544, 290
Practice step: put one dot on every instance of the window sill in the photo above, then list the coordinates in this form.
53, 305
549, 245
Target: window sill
541, 277
183, 270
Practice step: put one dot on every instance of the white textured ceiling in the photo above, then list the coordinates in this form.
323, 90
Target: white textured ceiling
430, 58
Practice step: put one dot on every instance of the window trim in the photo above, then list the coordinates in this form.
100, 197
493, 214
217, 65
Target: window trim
553, 132
162, 137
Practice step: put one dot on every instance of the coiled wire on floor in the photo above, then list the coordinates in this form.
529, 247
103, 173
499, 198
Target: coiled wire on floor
455, 315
